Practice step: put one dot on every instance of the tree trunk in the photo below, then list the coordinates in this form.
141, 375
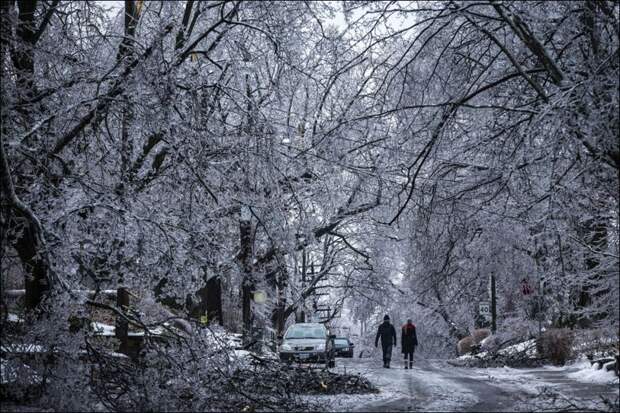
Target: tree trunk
214, 300
22, 57
22, 227
126, 51
594, 234
24, 232
210, 302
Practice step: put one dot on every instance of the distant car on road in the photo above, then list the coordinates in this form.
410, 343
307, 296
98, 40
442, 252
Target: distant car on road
343, 347
308, 343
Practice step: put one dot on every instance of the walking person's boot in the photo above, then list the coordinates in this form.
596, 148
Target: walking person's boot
406, 363
410, 365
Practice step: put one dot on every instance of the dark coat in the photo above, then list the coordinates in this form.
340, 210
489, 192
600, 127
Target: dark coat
387, 333
409, 339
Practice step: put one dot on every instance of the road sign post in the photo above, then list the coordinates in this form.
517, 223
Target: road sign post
493, 305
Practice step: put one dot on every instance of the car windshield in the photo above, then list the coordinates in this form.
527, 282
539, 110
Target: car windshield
341, 342
305, 332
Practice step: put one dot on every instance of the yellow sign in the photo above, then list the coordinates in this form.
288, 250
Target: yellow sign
204, 319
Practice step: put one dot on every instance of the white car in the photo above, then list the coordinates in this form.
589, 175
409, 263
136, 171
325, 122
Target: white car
308, 343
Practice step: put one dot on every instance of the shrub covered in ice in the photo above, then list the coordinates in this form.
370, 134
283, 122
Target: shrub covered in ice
555, 345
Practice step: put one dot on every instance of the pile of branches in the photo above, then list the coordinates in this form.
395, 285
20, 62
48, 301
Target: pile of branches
170, 379
181, 371
309, 381
189, 378
302, 380
549, 399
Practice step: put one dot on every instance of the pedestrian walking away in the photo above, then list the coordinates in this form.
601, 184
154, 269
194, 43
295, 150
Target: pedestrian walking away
387, 333
409, 341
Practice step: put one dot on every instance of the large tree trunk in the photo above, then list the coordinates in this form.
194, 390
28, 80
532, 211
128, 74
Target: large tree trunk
24, 232
126, 52
23, 54
21, 228
213, 296
210, 302
594, 233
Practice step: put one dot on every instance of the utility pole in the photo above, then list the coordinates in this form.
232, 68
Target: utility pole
302, 315
314, 303
247, 284
539, 314
493, 305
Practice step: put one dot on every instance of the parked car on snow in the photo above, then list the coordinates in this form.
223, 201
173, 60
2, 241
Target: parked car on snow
343, 347
308, 343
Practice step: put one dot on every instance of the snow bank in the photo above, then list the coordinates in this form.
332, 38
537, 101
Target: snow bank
218, 337
103, 329
588, 374
23, 348
472, 356
14, 318
487, 341
157, 331
527, 347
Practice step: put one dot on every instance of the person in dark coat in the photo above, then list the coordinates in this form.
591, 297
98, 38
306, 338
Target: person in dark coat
388, 339
409, 341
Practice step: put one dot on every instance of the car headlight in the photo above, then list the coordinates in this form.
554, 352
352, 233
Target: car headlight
320, 347
286, 347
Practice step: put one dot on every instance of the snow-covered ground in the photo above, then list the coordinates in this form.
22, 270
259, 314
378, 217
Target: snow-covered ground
434, 385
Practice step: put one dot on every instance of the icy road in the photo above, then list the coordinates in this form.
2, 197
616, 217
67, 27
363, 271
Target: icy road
434, 385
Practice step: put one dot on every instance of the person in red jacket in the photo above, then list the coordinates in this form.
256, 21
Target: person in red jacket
409, 341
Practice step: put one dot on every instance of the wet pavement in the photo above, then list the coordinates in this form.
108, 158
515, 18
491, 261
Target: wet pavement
434, 385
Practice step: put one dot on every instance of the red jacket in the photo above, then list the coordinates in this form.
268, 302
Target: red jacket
409, 338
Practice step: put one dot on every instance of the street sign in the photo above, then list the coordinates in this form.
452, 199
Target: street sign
484, 309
